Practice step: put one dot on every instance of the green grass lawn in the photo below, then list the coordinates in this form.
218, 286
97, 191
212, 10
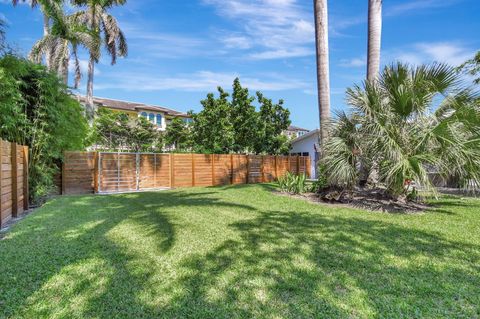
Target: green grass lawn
238, 252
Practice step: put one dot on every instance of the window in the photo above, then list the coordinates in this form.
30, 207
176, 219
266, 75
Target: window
151, 117
159, 119
144, 114
187, 120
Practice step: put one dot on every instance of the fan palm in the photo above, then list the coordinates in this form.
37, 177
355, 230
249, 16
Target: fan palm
411, 121
66, 31
97, 18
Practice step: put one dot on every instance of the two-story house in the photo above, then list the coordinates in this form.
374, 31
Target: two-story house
160, 116
294, 131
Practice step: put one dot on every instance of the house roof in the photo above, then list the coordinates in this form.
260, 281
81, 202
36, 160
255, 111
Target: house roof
296, 128
306, 135
131, 106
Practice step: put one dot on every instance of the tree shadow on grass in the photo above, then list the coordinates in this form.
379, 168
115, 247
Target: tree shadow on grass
76, 244
302, 265
74, 261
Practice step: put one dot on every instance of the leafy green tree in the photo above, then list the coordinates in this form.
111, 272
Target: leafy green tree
116, 131
178, 135
235, 126
213, 130
244, 119
392, 124
141, 135
110, 130
273, 120
38, 110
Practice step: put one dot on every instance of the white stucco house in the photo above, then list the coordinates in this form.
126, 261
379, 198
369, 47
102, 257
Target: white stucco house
307, 145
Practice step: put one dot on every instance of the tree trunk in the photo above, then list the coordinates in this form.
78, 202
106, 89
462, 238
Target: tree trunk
374, 38
323, 77
46, 32
65, 70
89, 106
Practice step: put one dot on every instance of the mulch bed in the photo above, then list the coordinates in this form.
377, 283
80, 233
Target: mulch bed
368, 199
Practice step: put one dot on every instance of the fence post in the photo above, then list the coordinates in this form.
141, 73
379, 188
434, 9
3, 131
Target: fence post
95, 172
63, 173
231, 169
13, 148
276, 169
154, 170
213, 169
193, 170
25, 178
298, 164
248, 169
262, 169
137, 170
171, 170
1, 173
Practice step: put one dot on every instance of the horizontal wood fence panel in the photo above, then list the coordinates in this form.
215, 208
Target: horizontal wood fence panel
88, 172
13, 180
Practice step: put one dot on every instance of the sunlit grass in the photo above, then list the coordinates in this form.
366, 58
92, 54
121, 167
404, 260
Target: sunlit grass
236, 252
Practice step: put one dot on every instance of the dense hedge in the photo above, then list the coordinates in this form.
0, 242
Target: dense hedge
38, 110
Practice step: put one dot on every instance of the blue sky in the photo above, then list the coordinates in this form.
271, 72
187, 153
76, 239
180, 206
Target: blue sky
181, 50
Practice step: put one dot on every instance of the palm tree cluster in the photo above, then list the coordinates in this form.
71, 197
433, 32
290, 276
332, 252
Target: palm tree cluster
409, 122
90, 27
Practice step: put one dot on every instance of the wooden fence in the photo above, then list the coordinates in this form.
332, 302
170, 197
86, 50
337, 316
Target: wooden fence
13, 180
98, 172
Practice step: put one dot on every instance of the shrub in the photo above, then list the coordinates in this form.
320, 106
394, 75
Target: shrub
407, 123
293, 184
38, 110
322, 180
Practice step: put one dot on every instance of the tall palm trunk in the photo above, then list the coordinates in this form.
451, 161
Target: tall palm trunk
89, 105
374, 38
46, 32
323, 76
369, 171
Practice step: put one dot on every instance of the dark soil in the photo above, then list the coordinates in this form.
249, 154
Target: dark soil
363, 198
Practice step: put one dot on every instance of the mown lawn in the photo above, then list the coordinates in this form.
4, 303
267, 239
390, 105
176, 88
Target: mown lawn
238, 252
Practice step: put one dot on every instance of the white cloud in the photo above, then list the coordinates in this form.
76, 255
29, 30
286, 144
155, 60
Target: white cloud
237, 42
198, 81
452, 53
273, 28
418, 5
282, 53
355, 62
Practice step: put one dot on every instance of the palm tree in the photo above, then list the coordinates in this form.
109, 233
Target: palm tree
66, 32
98, 20
374, 38
391, 122
323, 77
44, 4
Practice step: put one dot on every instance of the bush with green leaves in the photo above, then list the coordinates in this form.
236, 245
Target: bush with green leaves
409, 122
116, 131
292, 183
322, 180
37, 110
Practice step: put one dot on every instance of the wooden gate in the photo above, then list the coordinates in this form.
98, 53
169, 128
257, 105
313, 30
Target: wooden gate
117, 172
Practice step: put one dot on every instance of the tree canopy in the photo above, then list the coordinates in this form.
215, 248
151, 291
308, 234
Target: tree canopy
236, 126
